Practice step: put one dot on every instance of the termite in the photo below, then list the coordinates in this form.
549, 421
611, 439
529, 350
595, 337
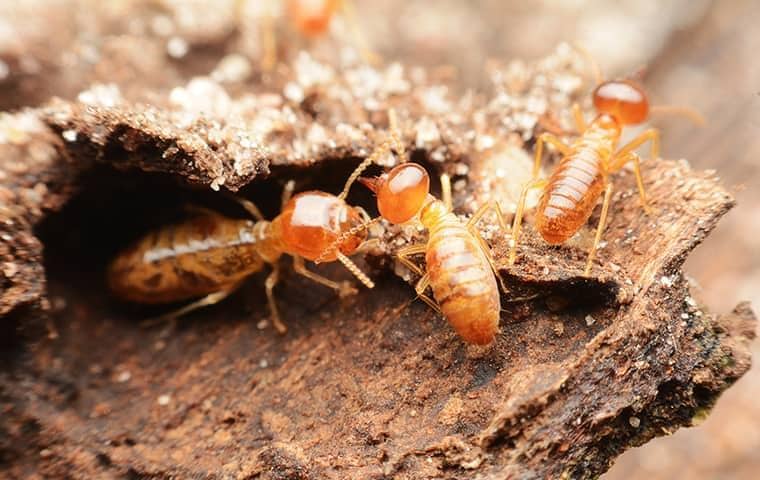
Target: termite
460, 269
572, 191
210, 255
311, 19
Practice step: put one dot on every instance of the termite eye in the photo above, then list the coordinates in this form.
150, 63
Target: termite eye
403, 192
623, 100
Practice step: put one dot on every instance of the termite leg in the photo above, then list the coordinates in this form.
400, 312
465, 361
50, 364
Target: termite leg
487, 252
580, 121
355, 270
420, 288
269, 285
349, 12
526, 298
600, 227
343, 289
627, 153
249, 207
446, 191
651, 134
553, 140
517, 224
198, 210
210, 299
368, 245
492, 205
619, 162
268, 39
404, 253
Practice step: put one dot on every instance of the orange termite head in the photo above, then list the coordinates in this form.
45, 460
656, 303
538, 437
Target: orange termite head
401, 193
312, 17
625, 101
312, 222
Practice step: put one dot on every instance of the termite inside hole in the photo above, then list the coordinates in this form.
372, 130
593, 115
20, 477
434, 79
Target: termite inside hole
113, 209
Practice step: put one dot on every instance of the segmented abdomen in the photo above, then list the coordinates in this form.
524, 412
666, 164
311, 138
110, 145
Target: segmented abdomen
199, 256
571, 194
462, 281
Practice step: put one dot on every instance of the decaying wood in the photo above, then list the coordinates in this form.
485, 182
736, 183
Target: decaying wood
374, 386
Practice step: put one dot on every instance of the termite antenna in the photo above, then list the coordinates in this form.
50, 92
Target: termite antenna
334, 247
380, 150
349, 11
639, 74
595, 70
395, 132
372, 158
356, 271
692, 114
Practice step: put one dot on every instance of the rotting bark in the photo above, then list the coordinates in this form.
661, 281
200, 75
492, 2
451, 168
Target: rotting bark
374, 386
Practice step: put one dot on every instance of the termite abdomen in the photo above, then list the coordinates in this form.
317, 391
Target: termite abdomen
185, 260
569, 197
463, 283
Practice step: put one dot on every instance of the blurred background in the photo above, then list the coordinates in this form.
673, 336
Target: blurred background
699, 53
